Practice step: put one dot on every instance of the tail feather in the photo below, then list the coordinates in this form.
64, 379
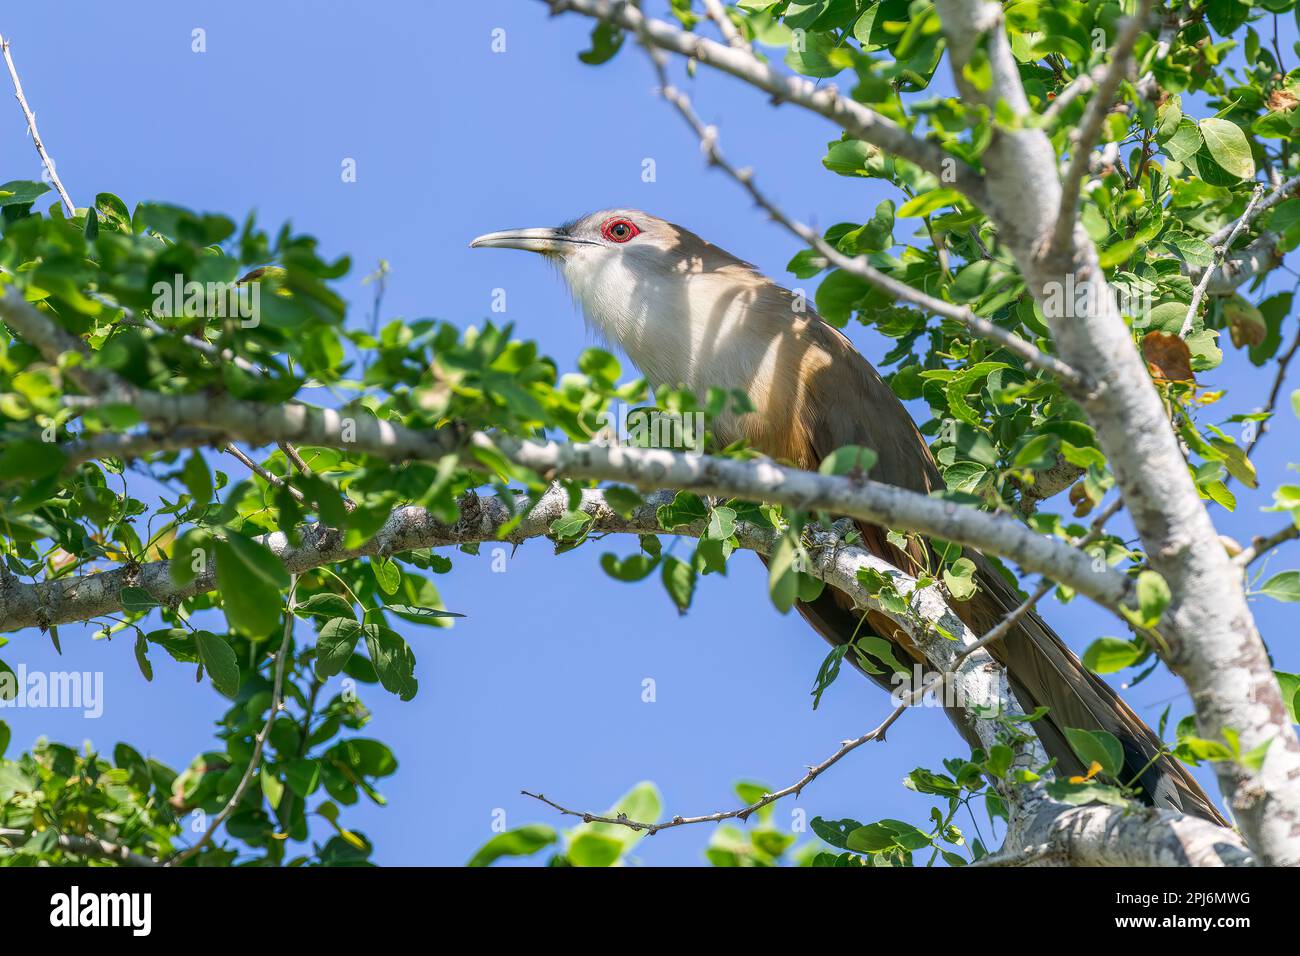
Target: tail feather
1043, 672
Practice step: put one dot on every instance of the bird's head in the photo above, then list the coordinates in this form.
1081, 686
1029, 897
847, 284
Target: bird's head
596, 240
645, 285
614, 257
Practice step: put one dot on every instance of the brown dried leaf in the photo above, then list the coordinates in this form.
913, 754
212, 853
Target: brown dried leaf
1168, 357
1283, 99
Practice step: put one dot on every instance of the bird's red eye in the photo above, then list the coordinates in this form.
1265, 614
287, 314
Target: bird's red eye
619, 230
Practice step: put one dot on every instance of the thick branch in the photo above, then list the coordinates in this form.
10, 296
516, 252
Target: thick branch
1213, 642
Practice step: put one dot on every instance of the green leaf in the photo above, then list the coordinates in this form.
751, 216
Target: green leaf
635, 567
679, 582
848, 460
326, 605
925, 203
1106, 655
197, 479
1227, 144
302, 776
218, 659
1153, 597
606, 39
393, 659
570, 525
623, 500
782, 578
1283, 587
249, 580
522, 841
335, 644
272, 788
387, 574
722, 522
604, 844
21, 192
959, 578
1288, 683
1099, 746
420, 615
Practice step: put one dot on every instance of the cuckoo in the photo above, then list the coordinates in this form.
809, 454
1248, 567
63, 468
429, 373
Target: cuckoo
688, 314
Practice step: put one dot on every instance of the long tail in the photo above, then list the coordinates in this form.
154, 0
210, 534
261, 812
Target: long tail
1044, 672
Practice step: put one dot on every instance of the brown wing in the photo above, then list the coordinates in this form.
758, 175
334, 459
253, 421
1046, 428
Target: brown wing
846, 402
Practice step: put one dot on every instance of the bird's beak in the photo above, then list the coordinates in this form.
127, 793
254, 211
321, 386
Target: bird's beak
544, 240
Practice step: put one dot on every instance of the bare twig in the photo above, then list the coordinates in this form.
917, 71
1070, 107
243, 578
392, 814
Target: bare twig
295, 459
1081, 142
271, 479
259, 742
1081, 84
1280, 192
1023, 856
1263, 544
718, 14
1199, 292
742, 813
1275, 392
31, 126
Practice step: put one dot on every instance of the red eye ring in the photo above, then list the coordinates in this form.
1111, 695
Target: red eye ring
619, 230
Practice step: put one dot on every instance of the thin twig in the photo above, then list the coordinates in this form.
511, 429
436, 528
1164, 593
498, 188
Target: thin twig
1275, 392
743, 813
1262, 544
1280, 192
295, 459
268, 477
1078, 86
31, 126
259, 742
858, 265
1220, 253
1081, 142
718, 14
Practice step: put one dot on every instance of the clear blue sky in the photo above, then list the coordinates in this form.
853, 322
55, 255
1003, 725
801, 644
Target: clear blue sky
540, 686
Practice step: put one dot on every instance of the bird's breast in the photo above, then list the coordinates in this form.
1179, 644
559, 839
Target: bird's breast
714, 331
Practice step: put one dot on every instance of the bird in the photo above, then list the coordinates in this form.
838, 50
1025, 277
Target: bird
689, 314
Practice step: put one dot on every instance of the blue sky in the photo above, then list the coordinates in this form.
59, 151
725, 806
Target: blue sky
539, 687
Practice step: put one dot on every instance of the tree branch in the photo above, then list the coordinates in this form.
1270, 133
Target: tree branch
743, 813
91, 846
31, 127
854, 118
259, 742
1220, 252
